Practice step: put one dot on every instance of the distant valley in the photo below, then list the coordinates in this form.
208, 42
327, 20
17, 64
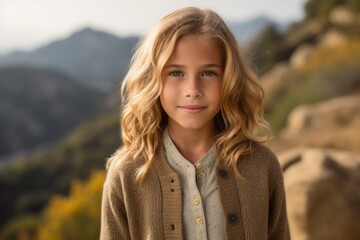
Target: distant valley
37, 106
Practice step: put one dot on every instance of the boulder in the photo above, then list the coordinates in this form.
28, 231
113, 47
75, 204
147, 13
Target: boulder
331, 113
333, 123
334, 39
323, 193
301, 55
343, 16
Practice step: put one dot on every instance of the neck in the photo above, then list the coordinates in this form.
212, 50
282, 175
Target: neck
192, 144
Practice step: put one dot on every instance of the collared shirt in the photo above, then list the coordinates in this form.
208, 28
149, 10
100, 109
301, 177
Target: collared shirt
203, 216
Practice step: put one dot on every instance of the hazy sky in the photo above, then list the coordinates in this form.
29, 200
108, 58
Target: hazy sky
26, 24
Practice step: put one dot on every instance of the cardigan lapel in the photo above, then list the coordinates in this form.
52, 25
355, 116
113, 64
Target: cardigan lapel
234, 226
171, 197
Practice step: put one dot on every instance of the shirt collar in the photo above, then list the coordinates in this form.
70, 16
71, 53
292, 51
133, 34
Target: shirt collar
174, 156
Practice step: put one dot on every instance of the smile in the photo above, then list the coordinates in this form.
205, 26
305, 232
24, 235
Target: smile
192, 108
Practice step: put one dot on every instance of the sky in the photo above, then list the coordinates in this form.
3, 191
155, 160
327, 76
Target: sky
27, 24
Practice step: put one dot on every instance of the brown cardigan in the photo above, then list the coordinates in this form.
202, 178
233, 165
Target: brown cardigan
253, 205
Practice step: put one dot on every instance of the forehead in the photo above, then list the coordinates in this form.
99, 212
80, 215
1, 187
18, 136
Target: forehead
195, 48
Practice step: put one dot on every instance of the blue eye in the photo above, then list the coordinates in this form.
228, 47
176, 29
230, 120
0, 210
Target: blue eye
176, 74
208, 74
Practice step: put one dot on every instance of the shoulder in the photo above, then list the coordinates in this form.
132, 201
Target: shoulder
261, 161
260, 155
121, 169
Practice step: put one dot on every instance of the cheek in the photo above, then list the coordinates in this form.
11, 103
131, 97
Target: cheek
168, 93
216, 91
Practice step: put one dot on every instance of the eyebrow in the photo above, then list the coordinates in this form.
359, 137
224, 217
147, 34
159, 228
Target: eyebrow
183, 66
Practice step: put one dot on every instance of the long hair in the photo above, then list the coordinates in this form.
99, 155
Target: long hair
143, 120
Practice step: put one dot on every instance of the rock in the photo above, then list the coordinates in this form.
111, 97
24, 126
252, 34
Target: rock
334, 113
334, 39
301, 55
299, 119
323, 193
343, 16
331, 124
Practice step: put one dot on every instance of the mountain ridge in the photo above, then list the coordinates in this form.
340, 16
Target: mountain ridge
100, 59
93, 58
38, 105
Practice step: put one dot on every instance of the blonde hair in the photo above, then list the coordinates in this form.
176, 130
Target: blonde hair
143, 119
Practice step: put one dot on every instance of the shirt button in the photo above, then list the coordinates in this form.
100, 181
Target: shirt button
201, 175
196, 201
199, 165
199, 221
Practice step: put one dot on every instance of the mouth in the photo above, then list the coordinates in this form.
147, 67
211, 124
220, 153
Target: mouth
192, 108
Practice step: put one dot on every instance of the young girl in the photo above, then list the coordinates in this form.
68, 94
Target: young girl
191, 165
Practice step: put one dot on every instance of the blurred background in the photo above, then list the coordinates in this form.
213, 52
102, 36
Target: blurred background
61, 64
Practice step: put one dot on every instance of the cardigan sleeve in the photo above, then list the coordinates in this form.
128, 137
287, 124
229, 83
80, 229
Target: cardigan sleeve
114, 224
278, 221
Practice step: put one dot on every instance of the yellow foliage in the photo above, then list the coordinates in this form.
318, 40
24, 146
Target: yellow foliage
348, 54
76, 216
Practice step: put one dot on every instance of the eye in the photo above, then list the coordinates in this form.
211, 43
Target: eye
176, 74
208, 74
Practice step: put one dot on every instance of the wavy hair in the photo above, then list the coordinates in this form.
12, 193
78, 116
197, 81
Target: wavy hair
143, 120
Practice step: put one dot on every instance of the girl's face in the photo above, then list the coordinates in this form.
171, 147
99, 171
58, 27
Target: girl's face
192, 80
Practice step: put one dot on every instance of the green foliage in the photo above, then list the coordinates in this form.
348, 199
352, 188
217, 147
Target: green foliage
27, 185
289, 97
320, 8
77, 216
263, 50
328, 73
271, 47
21, 228
354, 5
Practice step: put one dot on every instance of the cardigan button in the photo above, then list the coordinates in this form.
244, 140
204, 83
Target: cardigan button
232, 218
223, 173
172, 226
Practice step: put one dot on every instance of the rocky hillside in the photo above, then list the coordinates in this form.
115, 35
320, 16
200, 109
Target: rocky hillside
329, 124
314, 73
313, 104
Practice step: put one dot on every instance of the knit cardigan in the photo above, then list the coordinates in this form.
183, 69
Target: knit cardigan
253, 204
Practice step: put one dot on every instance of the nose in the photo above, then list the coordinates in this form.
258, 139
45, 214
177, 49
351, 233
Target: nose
193, 90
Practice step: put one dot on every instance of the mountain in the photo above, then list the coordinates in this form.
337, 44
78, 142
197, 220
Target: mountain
37, 106
94, 58
247, 30
99, 59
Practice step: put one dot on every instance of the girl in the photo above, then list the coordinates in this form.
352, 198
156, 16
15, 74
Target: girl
191, 165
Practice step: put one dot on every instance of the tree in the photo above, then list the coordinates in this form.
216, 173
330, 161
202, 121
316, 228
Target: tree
321, 8
77, 216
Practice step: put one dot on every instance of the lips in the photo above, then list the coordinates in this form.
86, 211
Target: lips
192, 108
